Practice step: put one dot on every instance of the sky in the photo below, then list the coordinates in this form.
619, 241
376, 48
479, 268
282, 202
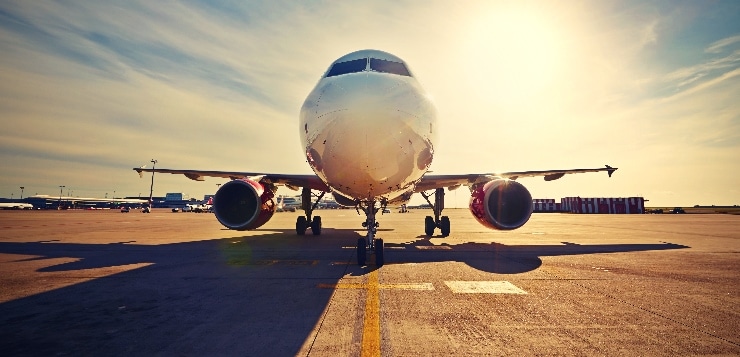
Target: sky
91, 89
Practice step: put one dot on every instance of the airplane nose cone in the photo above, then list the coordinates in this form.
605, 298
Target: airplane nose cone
363, 152
370, 143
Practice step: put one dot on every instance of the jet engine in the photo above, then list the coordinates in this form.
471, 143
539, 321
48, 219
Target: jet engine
501, 204
243, 204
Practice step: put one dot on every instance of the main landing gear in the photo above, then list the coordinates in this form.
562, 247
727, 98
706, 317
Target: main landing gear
303, 223
371, 243
431, 223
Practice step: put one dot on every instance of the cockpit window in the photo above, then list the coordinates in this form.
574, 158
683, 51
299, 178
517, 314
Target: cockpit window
389, 67
360, 65
353, 66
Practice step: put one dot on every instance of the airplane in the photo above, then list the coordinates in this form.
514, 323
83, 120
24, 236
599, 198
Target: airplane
369, 132
15, 205
287, 204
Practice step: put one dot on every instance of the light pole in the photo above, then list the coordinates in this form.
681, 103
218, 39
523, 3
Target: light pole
22, 192
59, 206
151, 188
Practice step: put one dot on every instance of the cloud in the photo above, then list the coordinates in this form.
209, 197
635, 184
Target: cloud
719, 46
718, 67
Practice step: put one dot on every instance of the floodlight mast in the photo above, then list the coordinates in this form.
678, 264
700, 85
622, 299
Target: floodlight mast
151, 188
59, 206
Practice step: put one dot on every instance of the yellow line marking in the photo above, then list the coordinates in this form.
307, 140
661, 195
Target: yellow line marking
400, 286
371, 322
408, 286
371, 328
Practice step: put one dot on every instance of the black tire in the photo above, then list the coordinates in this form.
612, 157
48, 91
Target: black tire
379, 258
361, 251
445, 226
316, 226
300, 225
429, 225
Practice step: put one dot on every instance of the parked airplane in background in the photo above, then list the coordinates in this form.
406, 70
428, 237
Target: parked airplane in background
369, 132
287, 204
15, 205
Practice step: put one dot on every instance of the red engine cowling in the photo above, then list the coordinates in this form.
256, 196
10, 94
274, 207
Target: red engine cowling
501, 204
243, 204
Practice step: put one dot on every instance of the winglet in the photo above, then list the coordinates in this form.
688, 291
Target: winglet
610, 170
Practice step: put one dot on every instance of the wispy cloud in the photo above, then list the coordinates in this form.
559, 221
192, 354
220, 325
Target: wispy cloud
712, 68
720, 45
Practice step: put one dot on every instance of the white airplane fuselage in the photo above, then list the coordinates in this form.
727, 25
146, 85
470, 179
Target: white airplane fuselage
369, 133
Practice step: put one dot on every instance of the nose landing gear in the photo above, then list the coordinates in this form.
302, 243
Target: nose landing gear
375, 245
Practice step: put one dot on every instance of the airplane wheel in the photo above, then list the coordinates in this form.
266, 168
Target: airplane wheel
445, 226
361, 251
429, 225
379, 258
300, 225
316, 226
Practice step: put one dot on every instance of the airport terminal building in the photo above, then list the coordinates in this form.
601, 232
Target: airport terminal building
601, 205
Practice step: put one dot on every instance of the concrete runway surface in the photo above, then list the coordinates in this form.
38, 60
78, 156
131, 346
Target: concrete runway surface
107, 283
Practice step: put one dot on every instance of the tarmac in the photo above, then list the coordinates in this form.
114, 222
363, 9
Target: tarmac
110, 283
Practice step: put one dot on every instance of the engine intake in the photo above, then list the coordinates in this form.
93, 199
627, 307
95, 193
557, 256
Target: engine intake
243, 204
501, 204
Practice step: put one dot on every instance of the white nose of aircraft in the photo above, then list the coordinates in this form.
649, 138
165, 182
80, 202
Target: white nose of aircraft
368, 134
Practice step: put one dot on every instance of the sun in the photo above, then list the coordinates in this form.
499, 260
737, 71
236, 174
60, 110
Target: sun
513, 54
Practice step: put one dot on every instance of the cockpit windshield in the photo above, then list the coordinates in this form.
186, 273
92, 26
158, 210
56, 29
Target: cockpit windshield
389, 67
360, 65
353, 66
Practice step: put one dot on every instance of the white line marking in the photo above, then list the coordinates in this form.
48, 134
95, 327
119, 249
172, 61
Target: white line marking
484, 287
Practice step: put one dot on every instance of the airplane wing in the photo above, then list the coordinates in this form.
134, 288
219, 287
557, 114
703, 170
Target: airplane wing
430, 182
293, 181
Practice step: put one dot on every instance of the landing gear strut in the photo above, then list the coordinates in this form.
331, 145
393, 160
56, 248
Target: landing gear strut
371, 243
443, 222
302, 223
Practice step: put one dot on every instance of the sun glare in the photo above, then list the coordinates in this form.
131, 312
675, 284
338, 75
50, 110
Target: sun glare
513, 54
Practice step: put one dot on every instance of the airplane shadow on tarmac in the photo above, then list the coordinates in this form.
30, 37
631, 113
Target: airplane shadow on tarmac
252, 295
489, 257
248, 296
501, 258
